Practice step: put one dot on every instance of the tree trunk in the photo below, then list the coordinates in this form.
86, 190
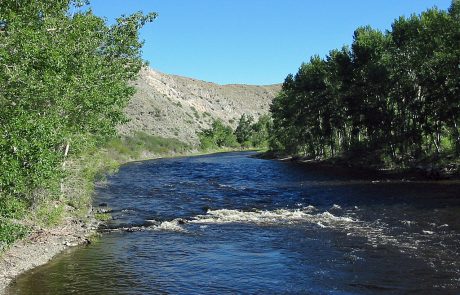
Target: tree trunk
436, 142
66, 152
456, 137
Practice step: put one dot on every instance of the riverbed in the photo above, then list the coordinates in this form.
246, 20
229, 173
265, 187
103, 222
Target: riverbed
230, 224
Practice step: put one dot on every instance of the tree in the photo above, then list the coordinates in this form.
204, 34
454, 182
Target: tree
390, 98
261, 131
243, 131
218, 136
64, 82
370, 87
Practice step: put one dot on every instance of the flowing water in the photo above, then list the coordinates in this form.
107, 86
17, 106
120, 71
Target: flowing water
230, 224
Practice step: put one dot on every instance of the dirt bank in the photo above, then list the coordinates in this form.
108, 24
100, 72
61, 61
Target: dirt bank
41, 246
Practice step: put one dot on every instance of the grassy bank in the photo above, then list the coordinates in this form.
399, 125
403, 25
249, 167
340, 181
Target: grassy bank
49, 209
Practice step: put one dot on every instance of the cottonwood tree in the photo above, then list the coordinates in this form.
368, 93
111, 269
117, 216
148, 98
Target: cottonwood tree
393, 96
64, 81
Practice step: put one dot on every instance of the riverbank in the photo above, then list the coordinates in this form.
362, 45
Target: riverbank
418, 173
74, 220
279, 223
43, 243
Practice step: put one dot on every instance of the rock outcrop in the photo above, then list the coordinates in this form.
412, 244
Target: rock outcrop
178, 107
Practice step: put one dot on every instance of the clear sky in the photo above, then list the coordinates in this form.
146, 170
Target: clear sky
252, 41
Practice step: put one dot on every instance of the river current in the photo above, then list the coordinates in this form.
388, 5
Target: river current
233, 224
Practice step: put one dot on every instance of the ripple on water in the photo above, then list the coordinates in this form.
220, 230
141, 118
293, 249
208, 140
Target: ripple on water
196, 226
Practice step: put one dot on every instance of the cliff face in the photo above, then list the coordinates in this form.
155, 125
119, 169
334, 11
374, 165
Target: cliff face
179, 107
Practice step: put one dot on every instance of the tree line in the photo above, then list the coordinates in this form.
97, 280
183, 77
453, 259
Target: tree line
247, 134
392, 97
64, 81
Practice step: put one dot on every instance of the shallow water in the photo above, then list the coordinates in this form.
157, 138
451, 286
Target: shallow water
229, 223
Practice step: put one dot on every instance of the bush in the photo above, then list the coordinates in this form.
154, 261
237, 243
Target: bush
10, 232
250, 134
65, 77
218, 136
11, 207
141, 142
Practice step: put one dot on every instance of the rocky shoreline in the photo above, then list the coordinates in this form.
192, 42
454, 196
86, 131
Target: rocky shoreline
41, 245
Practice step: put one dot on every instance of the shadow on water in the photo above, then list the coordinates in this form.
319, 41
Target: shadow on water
229, 223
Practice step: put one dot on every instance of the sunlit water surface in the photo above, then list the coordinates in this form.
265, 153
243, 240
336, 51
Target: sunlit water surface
229, 224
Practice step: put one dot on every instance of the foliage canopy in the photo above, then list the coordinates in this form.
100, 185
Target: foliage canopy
64, 77
391, 97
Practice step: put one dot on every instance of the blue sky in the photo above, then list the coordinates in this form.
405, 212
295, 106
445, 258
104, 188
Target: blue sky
252, 41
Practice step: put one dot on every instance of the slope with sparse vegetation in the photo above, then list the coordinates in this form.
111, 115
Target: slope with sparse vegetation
178, 107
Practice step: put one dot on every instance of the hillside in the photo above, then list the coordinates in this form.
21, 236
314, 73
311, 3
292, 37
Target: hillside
179, 107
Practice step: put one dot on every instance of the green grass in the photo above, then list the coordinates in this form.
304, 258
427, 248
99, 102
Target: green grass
97, 163
78, 185
11, 207
11, 210
10, 232
50, 214
103, 216
141, 144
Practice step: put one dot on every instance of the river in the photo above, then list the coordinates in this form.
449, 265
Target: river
230, 224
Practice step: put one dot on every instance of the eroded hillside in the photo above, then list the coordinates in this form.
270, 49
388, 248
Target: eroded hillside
179, 107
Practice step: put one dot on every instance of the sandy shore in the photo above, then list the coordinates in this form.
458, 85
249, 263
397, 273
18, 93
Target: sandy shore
41, 246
